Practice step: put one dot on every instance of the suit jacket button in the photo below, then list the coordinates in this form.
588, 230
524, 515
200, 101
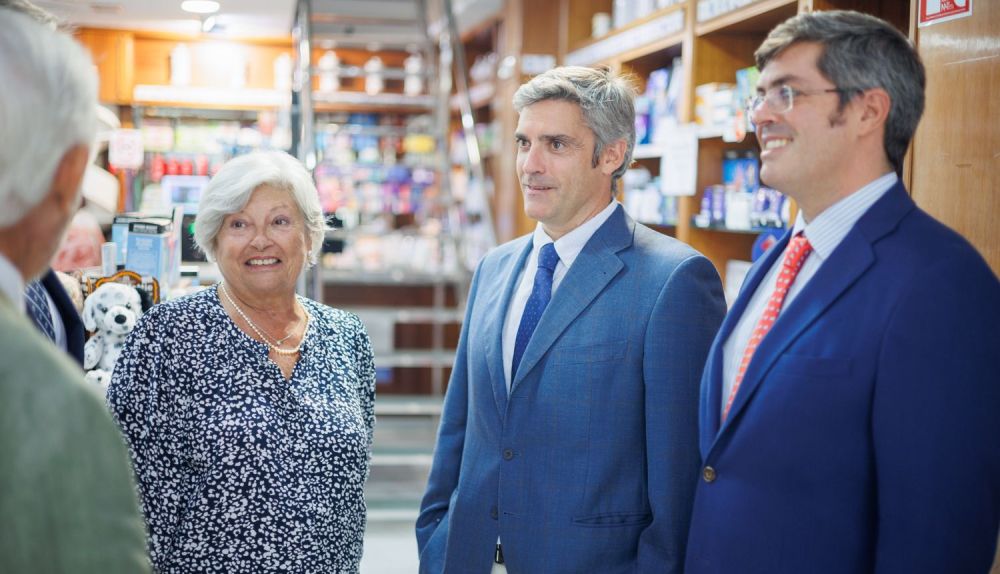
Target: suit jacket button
493, 512
508, 453
708, 473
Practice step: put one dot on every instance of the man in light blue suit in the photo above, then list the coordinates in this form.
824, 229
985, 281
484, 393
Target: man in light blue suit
850, 417
568, 441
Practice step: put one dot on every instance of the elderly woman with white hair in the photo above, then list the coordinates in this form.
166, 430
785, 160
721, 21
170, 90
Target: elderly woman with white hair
248, 410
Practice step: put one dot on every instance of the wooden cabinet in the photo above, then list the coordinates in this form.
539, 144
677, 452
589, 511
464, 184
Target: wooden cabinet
214, 62
113, 52
231, 74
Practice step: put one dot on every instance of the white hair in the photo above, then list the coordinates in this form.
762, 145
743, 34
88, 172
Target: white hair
230, 190
49, 105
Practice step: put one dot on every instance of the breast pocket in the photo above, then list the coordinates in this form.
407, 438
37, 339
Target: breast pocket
590, 353
806, 367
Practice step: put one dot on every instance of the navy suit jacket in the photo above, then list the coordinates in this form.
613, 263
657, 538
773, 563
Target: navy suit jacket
866, 434
590, 463
68, 313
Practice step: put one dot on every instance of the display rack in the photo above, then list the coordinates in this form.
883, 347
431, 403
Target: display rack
404, 243
383, 170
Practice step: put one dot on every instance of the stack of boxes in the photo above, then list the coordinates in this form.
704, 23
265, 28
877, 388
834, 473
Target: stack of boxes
150, 245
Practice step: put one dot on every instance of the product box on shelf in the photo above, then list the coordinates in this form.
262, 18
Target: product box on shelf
663, 92
746, 87
153, 248
713, 106
740, 170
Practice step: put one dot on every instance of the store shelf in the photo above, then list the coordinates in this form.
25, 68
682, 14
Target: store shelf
410, 314
208, 97
724, 229
390, 277
651, 34
332, 127
407, 405
402, 459
386, 73
481, 95
758, 17
415, 358
375, 103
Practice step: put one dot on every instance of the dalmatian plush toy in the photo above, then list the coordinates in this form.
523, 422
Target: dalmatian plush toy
111, 313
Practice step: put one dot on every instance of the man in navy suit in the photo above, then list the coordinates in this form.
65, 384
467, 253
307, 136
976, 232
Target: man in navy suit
568, 440
849, 415
55, 314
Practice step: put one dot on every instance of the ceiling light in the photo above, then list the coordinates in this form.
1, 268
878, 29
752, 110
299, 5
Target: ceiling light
200, 6
208, 24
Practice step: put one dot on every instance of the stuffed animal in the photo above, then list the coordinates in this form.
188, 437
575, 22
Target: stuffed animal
99, 377
111, 313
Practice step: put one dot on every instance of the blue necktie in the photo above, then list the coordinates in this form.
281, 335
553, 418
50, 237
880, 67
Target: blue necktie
37, 305
541, 292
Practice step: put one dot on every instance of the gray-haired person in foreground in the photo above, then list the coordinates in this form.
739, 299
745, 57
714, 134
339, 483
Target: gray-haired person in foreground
67, 501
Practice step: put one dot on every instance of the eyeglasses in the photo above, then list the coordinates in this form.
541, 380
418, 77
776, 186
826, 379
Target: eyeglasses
781, 99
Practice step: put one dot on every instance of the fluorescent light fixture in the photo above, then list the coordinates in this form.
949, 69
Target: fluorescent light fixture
200, 6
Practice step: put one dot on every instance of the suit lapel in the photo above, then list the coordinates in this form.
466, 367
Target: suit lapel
712, 383
510, 270
595, 267
72, 323
845, 266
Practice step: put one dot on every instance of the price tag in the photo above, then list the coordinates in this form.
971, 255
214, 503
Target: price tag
125, 149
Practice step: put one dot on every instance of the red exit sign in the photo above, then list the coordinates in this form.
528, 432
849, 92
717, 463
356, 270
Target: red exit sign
934, 11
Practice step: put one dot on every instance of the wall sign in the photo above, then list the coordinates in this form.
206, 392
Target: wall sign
934, 11
125, 149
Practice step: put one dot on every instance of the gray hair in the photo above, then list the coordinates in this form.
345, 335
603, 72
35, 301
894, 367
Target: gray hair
49, 106
40, 15
861, 52
230, 190
607, 102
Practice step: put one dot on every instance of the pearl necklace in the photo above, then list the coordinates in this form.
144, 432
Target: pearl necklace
273, 346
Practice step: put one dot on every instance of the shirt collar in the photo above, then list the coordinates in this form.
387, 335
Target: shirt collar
829, 228
11, 283
569, 246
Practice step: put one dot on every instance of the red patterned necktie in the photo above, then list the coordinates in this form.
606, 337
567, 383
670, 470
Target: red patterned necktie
795, 255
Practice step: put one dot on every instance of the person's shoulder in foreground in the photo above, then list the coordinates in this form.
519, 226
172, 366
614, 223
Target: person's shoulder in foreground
67, 501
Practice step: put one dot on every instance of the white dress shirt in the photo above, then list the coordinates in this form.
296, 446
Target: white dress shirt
568, 247
12, 286
824, 234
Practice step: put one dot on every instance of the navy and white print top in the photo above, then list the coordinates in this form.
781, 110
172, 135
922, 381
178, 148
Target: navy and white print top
240, 470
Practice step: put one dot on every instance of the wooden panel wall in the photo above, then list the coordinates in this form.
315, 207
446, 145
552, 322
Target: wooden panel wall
113, 52
956, 152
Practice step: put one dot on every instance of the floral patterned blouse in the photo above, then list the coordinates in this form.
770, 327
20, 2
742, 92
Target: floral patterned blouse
239, 469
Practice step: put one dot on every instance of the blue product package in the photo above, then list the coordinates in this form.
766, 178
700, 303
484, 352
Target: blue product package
148, 252
643, 131
718, 204
740, 169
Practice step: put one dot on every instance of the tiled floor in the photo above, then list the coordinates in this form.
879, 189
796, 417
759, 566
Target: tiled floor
400, 464
390, 548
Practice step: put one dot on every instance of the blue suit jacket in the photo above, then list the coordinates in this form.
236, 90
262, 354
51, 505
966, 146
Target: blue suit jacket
590, 464
866, 434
